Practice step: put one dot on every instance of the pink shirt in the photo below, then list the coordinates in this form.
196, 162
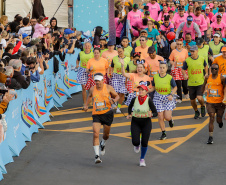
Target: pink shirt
210, 15
140, 25
222, 25
161, 17
167, 29
153, 9
134, 16
214, 18
118, 27
200, 21
178, 19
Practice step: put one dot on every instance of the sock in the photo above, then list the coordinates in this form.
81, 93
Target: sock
96, 150
103, 142
119, 105
211, 134
164, 132
143, 152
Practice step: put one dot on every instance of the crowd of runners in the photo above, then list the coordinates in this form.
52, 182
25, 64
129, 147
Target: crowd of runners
175, 50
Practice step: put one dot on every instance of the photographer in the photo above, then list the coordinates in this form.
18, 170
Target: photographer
33, 67
24, 81
69, 42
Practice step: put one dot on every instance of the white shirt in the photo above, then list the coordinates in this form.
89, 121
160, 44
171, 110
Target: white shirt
26, 30
3, 42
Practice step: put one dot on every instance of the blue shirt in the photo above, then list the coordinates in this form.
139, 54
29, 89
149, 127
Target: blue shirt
153, 33
215, 10
192, 43
204, 7
186, 7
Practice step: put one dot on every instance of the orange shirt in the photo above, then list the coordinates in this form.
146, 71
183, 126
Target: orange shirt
98, 66
144, 52
152, 65
109, 56
215, 92
179, 57
222, 65
136, 79
101, 100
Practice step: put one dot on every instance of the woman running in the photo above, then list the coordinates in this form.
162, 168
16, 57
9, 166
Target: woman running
216, 45
177, 57
127, 48
96, 65
141, 121
118, 80
137, 79
84, 57
165, 87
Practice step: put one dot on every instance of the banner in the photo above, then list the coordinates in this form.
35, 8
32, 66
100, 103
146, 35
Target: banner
26, 114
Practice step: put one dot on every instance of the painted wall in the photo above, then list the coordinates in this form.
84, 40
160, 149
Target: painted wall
90, 13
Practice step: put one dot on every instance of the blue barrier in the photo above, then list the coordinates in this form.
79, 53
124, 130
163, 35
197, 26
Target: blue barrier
26, 114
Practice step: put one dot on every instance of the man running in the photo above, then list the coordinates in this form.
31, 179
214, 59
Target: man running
103, 96
195, 66
215, 95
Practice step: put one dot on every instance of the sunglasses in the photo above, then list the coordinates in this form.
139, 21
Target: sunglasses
214, 68
142, 40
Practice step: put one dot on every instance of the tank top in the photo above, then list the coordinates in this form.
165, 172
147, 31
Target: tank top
141, 111
84, 58
163, 84
215, 92
101, 101
215, 48
190, 30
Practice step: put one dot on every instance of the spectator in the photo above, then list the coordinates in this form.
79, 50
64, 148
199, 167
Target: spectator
40, 28
9, 73
33, 66
53, 24
26, 27
24, 61
3, 38
8, 53
24, 81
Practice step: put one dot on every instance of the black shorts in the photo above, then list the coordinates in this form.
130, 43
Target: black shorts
217, 108
195, 91
104, 119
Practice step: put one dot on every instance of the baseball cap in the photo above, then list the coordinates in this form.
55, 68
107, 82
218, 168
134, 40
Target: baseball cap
193, 48
219, 15
180, 8
207, 7
98, 77
216, 35
189, 18
68, 31
143, 87
151, 49
146, 7
135, 6
143, 31
147, 13
24, 35
111, 43
171, 11
199, 41
223, 48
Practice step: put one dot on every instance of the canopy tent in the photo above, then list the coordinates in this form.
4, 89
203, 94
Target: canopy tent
23, 7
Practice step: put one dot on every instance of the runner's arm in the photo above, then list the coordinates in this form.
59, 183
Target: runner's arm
89, 99
204, 84
179, 29
130, 107
123, 70
114, 95
153, 108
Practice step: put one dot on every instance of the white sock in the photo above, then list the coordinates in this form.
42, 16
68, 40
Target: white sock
96, 149
103, 142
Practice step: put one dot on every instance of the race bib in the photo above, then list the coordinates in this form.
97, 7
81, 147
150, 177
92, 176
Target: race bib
179, 64
100, 106
153, 73
213, 93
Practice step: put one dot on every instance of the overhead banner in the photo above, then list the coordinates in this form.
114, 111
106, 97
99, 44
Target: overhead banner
26, 114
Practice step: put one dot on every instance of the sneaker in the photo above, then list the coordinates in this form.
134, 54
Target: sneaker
142, 163
179, 101
186, 96
197, 114
137, 149
210, 140
163, 137
171, 122
118, 111
102, 149
203, 111
97, 159
113, 106
220, 124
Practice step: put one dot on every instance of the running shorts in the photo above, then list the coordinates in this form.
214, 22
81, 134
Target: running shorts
195, 91
215, 108
104, 119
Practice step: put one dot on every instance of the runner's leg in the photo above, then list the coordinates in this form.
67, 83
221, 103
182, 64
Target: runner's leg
84, 95
179, 91
161, 120
135, 131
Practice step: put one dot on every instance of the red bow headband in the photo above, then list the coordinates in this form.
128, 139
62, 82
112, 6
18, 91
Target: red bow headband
96, 46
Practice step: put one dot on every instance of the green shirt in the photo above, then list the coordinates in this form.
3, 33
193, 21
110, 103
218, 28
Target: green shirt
132, 68
204, 52
149, 43
163, 84
127, 51
141, 111
215, 48
84, 58
117, 65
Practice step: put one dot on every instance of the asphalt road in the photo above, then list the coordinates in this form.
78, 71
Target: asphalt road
62, 154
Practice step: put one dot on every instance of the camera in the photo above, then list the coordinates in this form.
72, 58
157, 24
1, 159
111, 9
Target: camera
26, 72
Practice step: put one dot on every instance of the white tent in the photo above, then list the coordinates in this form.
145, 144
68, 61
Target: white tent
22, 7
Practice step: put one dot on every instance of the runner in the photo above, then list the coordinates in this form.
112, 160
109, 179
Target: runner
127, 48
221, 61
177, 57
141, 121
84, 57
215, 95
216, 45
179, 17
219, 25
196, 65
167, 27
118, 80
143, 48
165, 88
103, 96
103, 45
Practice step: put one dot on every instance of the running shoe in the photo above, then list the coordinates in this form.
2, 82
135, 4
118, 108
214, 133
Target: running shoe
171, 123
220, 124
179, 101
203, 111
102, 149
186, 96
142, 163
137, 149
97, 159
118, 111
197, 114
113, 106
163, 137
210, 140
